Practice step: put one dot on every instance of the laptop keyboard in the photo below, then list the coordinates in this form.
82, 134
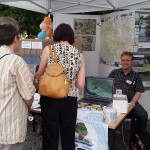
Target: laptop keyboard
97, 100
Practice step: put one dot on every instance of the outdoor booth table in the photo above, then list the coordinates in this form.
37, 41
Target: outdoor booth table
111, 127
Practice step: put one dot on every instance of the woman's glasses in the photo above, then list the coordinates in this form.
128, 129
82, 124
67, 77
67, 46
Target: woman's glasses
18, 37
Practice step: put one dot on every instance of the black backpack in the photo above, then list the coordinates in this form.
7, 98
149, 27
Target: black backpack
146, 141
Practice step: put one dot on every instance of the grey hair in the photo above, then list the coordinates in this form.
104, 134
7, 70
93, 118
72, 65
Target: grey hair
9, 20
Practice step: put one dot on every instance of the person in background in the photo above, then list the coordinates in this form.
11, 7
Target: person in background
38, 118
35, 79
61, 113
17, 89
131, 85
37, 67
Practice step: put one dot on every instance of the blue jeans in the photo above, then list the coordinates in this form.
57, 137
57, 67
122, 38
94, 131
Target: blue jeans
139, 119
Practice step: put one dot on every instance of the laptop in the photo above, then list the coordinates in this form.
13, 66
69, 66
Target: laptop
98, 91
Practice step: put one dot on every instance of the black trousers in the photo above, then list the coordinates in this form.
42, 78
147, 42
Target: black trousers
58, 116
139, 119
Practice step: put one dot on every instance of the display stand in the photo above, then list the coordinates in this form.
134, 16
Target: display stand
32, 48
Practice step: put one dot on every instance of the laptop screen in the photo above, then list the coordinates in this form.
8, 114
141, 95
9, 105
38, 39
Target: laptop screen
98, 86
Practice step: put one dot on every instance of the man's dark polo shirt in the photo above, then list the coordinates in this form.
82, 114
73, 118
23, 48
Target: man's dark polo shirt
129, 84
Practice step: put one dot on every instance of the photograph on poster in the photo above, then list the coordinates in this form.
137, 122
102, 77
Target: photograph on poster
142, 30
86, 29
142, 20
141, 61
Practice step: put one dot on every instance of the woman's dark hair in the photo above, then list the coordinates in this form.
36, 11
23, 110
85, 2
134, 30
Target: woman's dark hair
8, 33
64, 32
128, 54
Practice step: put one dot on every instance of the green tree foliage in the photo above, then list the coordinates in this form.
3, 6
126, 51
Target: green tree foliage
29, 20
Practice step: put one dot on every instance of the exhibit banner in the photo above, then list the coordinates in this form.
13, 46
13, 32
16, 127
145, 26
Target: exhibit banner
91, 132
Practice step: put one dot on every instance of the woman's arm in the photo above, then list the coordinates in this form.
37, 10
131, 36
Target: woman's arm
80, 82
43, 63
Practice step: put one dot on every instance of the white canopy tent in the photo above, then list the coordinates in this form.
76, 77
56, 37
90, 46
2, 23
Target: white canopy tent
76, 6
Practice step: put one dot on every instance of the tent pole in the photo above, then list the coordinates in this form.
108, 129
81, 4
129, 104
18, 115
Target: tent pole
111, 4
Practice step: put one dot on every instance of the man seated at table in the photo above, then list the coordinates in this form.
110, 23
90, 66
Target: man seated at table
131, 85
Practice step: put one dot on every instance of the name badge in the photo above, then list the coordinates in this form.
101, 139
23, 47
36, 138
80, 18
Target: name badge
128, 81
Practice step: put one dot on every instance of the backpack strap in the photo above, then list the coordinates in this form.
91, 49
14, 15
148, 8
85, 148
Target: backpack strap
3, 56
53, 53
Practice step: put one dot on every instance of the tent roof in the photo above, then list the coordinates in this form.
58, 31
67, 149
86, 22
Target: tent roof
76, 6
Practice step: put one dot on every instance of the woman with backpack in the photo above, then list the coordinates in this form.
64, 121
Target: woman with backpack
59, 115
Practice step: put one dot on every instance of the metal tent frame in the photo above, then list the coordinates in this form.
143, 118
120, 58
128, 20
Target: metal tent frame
76, 6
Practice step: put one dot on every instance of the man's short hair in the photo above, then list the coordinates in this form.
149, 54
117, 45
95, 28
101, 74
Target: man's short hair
128, 54
8, 33
8, 20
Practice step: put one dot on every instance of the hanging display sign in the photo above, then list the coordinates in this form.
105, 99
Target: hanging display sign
26, 44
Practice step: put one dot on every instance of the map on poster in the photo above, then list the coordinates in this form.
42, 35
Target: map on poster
142, 43
117, 35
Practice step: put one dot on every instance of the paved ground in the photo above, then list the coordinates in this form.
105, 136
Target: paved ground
34, 139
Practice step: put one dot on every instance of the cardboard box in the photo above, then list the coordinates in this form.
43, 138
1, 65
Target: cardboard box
120, 103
